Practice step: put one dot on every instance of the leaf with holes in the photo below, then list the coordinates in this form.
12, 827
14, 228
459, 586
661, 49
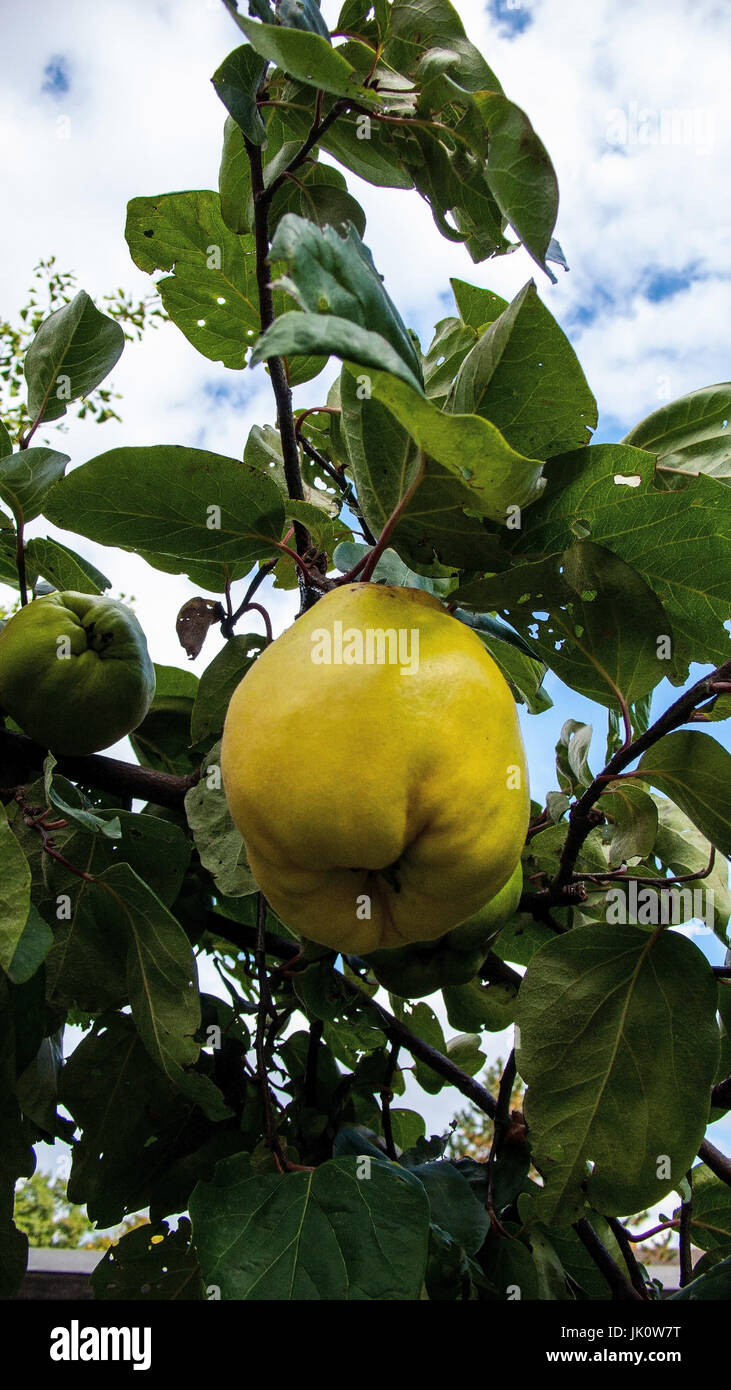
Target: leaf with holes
677, 541
690, 434
212, 296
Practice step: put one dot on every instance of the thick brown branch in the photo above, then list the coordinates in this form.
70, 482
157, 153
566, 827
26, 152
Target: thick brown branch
21, 761
716, 1161
280, 385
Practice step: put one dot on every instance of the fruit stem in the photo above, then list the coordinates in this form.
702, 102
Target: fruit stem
366, 567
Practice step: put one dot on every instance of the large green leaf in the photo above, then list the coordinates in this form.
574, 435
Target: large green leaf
574, 608
203, 508
618, 1046
25, 478
497, 476
353, 1229
110, 1084
212, 297
520, 174
420, 24
330, 275
308, 57
162, 981
524, 376
691, 433
678, 541
440, 525
73, 350
695, 772
14, 891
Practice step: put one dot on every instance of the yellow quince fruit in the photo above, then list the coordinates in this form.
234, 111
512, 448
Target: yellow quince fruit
373, 762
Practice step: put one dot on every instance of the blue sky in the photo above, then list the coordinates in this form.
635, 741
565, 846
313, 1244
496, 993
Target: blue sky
103, 103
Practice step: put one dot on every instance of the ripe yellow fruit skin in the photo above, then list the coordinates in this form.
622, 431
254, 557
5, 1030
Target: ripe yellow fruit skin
360, 780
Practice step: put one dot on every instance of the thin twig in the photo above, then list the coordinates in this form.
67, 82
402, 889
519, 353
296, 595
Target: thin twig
500, 1127
635, 1273
20, 562
386, 1098
366, 570
685, 1251
313, 1051
280, 385
580, 823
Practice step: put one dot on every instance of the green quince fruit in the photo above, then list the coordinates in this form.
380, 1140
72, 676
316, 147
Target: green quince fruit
480, 930
75, 672
416, 971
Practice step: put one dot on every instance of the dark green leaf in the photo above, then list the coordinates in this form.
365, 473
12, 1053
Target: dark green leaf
440, 525
308, 57
454, 1206
524, 376
150, 1263
691, 433
72, 352
237, 83
520, 174
218, 682
212, 297
619, 1075
355, 1228
695, 772
678, 541
162, 981
63, 568
335, 276
26, 477
420, 24
175, 525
